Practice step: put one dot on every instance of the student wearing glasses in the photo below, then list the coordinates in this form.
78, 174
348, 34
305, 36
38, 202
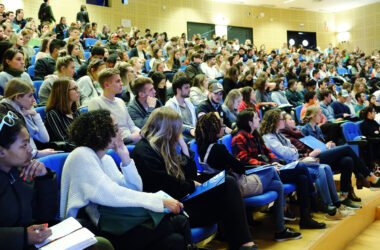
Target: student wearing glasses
61, 110
20, 95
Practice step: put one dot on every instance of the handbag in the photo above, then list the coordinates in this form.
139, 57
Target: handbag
249, 185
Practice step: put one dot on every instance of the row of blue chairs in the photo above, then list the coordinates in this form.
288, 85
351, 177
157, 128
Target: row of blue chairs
42, 112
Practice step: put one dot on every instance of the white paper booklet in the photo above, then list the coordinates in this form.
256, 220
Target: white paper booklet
69, 234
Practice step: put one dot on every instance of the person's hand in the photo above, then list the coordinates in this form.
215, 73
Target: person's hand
27, 112
346, 115
151, 101
273, 104
46, 152
136, 136
174, 206
339, 119
120, 149
227, 130
33, 169
196, 184
315, 152
37, 233
192, 132
330, 144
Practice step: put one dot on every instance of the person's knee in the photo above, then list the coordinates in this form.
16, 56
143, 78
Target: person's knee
347, 164
175, 241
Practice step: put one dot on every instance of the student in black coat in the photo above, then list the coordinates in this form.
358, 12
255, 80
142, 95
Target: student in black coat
230, 80
28, 190
371, 129
162, 168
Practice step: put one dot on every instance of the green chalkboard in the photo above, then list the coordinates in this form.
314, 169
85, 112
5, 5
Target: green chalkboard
205, 29
241, 33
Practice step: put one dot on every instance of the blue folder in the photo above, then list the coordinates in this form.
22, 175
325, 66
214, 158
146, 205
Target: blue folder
258, 169
313, 143
210, 184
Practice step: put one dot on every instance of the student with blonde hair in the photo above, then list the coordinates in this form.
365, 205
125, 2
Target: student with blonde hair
231, 104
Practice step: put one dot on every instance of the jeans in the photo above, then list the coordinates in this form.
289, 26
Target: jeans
271, 182
344, 160
325, 183
301, 178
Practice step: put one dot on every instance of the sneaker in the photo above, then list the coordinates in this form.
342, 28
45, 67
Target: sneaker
289, 215
309, 223
337, 216
350, 205
287, 234
344, 210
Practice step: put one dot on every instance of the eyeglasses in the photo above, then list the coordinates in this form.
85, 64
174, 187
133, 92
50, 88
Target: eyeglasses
75, 88
8, 120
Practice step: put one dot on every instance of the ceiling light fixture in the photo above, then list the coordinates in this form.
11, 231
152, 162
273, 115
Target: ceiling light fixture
288, 1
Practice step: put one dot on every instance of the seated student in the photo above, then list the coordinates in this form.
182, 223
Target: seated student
322, 86
199, 89
212, 104
249, 100
96, 52
65, 68
360, 102
181, 103
247, 79
126, 76
112, 60
91, 180
262, 94
215, 158
230, 80
144, 102
23, 212
111, 84
194, 67
341, 159
327, 110
88, 85
231, 104
73, 50
61, 110
341, 110
19, 94
278, 93
159, 84
138, 51
162, 168
113, 44
294, 97
208, 66
249, 147
46, 66
371, 129
13, 66
73, 31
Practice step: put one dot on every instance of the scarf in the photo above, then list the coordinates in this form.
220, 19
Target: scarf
14, 72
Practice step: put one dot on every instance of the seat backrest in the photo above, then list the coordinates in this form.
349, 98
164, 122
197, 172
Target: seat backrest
350, 131
227, 141
86, 55
37, 86
194, 147
83, 110
88, 42
115, 157
41, 111
55, 162
33, 59
298, 113
147, 65
36, 50
358, 127
31, 71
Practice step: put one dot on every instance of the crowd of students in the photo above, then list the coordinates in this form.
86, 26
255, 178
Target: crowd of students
158, 94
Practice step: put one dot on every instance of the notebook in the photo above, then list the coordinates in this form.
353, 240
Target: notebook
313, 143
69, 234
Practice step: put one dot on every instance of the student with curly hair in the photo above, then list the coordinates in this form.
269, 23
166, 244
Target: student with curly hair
92, 183
215, 158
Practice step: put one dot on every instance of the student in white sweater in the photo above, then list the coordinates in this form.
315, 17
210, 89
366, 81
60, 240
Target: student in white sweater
111, 84
90, 179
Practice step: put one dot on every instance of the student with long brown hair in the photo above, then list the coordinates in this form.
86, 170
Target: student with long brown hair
61, 110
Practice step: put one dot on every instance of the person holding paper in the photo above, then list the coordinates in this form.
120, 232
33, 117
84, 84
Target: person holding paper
92, 185
28, 189
249, 147
215, 157
164, 163
363, 175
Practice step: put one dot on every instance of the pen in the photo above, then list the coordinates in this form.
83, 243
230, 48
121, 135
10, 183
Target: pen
184, 213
